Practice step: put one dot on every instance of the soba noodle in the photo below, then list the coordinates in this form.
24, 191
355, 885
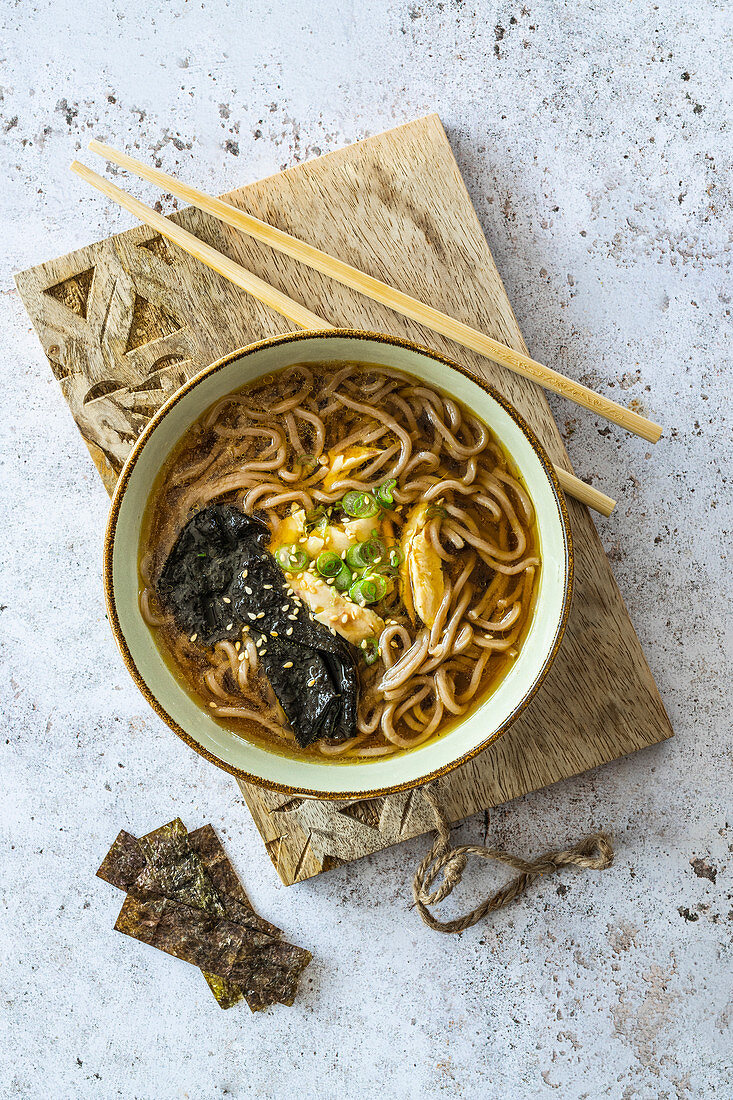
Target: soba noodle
270, 449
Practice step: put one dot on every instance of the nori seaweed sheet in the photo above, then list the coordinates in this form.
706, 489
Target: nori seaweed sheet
228, 994
237, 905
175, 870
222, 874
123, 862
267, 969
220, 543
193, 873
205, 841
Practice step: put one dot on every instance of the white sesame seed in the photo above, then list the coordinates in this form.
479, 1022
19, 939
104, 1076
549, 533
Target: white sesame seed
267, 586
362, 644
226, 599
330, 580
244, 574
263, 652
273, 634
245, 628
344, 618
250, 615
193, 638
248, 590
293, 617
237, 645
260, 615
230, 626
288, 664
242, 656
285, 607
311, 683
212, 704
289, 631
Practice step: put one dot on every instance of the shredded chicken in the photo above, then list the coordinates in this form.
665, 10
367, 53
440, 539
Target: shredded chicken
329, 607
422, 584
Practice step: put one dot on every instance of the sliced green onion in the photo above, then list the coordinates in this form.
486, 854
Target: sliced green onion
383, 493
316, 519
365, 590
359, 505
344, 579
365, 554
386, 571
383, 570
307, 461
292, 558
353, 557
329, 564
394, 556
370, 650
383, 584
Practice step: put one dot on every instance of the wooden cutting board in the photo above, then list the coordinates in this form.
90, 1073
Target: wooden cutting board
124, 322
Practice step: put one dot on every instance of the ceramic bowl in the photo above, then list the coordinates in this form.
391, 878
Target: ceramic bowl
253, 762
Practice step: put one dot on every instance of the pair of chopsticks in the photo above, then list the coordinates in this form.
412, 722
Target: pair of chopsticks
357, 280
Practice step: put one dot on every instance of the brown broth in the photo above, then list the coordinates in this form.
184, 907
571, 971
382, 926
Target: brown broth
210, 457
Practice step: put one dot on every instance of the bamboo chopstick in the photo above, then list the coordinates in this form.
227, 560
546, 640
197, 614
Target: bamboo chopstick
236, 274
584, 492
389, 296
278, 301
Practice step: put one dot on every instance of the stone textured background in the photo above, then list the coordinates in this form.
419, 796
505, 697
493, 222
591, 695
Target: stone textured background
594, 139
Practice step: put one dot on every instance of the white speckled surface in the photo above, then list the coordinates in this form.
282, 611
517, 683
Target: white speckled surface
593, 139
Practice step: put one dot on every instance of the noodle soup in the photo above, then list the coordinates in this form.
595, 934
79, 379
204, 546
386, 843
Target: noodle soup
339, 561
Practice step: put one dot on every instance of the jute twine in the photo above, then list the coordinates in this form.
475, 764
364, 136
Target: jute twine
594, 853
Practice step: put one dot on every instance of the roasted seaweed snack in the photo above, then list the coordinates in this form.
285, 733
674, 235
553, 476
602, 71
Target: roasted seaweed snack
207, 915
206, 843
267, 969
123, 862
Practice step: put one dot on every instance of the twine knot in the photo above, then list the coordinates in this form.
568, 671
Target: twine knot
592, 853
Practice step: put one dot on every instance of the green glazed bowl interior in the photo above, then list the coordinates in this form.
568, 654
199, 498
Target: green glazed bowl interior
254, 762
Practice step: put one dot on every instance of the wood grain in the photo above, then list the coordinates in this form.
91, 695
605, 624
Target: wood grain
358, 280
122, 338
275, 299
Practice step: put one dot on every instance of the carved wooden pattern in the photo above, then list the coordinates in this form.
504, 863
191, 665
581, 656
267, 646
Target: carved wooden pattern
124, 322
74, 292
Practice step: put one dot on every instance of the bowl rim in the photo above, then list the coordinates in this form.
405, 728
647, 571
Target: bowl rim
112, 526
